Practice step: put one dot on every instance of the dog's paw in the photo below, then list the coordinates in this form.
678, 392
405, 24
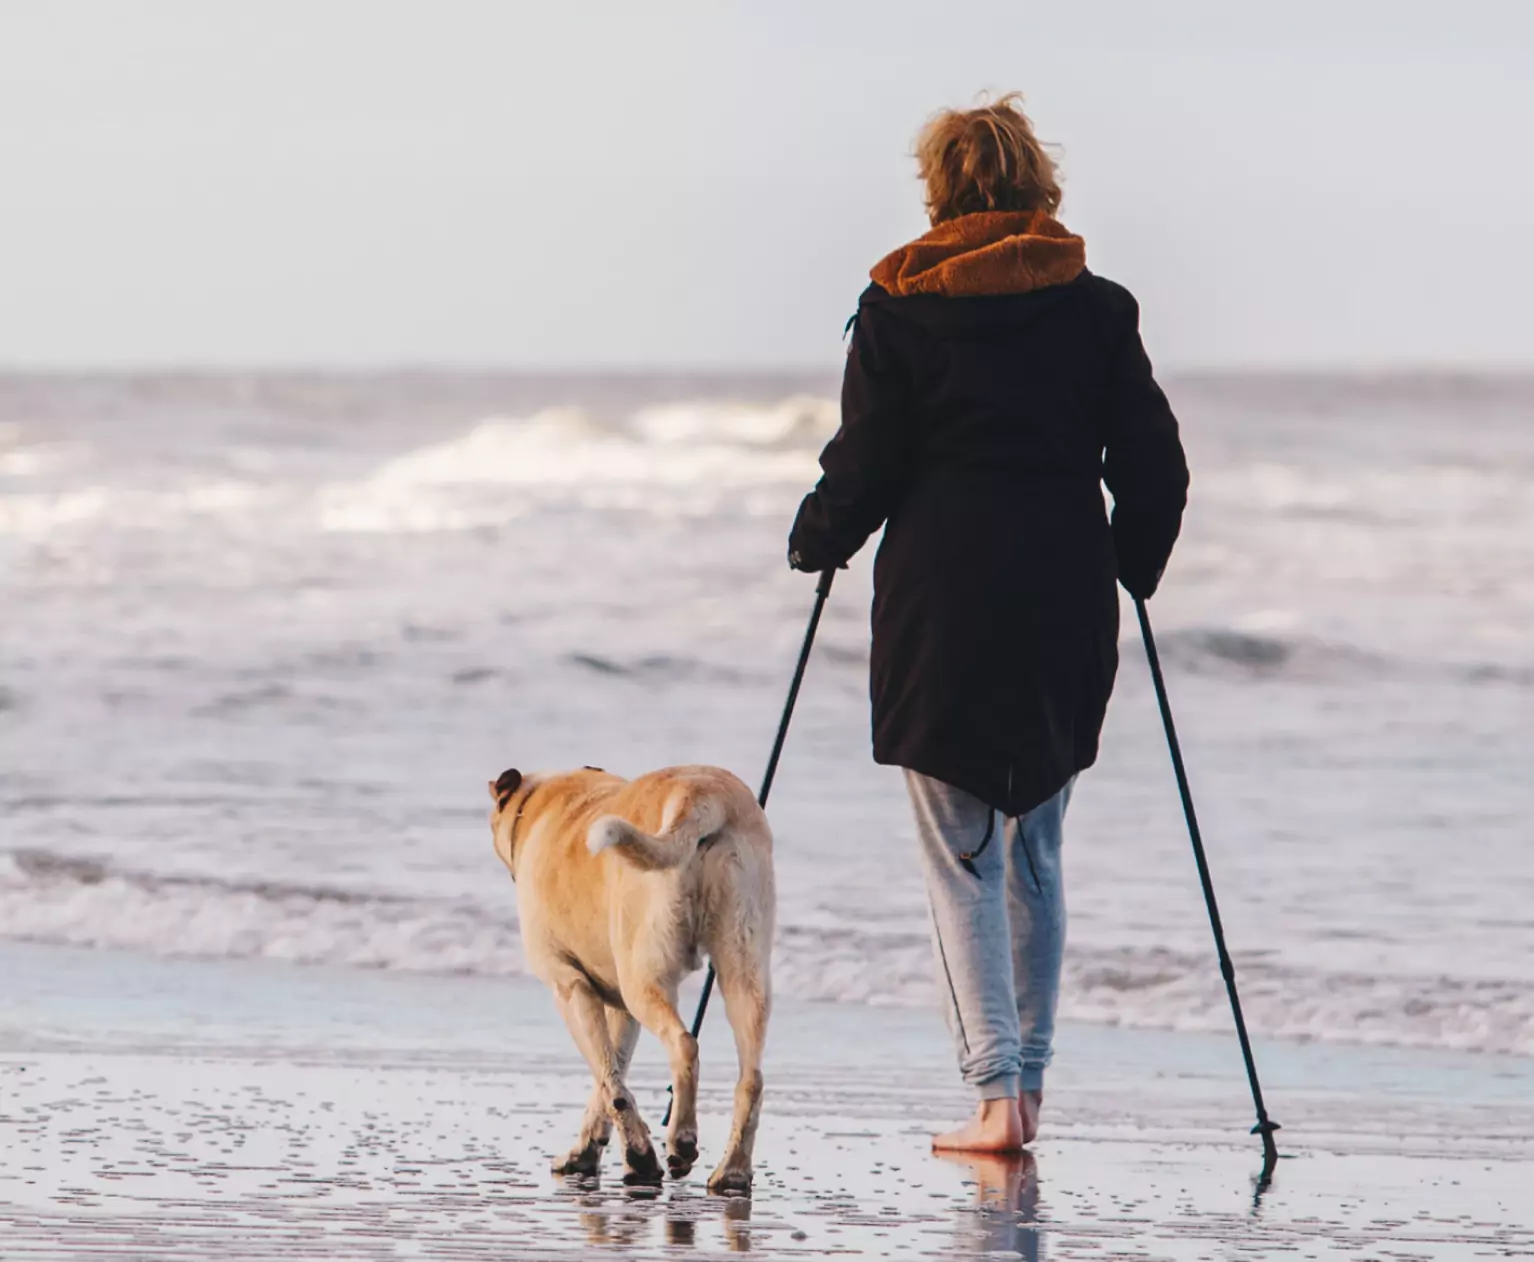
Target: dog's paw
683, 1155
587, 1160
730, 1181
641, 1166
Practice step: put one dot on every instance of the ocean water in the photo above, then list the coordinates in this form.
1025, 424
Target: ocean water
265, 638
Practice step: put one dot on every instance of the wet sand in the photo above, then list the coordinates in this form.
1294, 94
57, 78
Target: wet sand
153, 1108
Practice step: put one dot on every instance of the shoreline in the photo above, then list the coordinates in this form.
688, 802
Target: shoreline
149, 984
212, 1109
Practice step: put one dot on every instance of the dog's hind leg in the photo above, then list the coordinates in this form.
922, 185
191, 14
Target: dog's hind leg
656, 1009
747, 1003
584, 1013
597, 1124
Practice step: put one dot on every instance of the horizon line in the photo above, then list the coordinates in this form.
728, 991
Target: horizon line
1319, 370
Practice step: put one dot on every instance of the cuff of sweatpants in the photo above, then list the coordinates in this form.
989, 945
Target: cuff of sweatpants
1004, 1088
1031, 1079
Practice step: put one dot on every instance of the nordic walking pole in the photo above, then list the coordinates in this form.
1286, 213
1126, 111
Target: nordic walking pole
1264, 1127
822, 590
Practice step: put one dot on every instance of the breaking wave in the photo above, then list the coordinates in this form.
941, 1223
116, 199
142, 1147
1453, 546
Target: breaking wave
82, 902
1247, 655
688, 457
691, 458
1225, 651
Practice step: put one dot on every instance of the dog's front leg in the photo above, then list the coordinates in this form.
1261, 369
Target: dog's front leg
586, 1016
596, 1126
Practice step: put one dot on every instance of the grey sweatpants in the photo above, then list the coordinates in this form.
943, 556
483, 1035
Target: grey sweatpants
999, 936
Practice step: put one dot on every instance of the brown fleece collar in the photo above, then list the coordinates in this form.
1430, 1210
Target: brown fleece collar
992, 252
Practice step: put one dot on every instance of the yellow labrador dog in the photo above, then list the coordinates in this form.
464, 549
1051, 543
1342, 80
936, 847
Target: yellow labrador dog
622, 885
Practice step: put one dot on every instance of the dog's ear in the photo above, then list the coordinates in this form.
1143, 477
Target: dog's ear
504, 785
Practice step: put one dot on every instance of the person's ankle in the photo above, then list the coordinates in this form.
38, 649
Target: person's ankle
1029, 1104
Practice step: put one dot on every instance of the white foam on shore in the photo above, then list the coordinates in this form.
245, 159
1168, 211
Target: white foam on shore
77, 903
70, 902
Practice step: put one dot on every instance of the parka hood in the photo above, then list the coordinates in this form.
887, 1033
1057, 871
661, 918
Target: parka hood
989, 253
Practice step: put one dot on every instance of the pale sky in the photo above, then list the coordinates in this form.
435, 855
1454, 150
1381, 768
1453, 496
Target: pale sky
661, 184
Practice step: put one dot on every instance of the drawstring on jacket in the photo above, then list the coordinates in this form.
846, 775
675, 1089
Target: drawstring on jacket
968, 857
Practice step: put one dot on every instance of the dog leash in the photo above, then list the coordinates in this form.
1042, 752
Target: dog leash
822, 590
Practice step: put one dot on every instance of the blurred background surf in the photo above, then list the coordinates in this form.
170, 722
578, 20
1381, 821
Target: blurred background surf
267, 635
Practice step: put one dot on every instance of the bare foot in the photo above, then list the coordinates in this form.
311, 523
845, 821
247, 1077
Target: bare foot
1028, 1106
996, 1127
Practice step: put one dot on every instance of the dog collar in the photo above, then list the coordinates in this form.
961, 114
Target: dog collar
511, 839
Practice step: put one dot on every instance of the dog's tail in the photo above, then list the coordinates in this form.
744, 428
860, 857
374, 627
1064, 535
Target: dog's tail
697, 820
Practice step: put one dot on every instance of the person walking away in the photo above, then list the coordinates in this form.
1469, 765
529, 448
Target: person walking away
993, 385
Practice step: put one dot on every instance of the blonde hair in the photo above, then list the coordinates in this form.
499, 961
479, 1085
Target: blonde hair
986, 158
